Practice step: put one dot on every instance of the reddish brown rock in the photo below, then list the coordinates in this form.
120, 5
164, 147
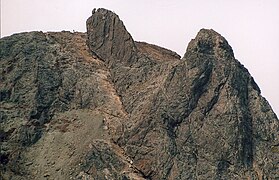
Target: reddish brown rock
101, 106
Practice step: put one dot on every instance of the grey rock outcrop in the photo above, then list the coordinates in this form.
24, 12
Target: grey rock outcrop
45, 77
109, 39
200, 110
103, 106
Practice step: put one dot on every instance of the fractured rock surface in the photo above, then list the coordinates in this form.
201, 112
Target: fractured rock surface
102, 106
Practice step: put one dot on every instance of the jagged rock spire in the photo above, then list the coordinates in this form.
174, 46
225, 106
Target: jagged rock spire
109, 39
139, 112
210, 42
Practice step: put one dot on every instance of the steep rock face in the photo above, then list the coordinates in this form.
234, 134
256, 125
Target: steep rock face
56, 99
101, 106
199, 117
109, 39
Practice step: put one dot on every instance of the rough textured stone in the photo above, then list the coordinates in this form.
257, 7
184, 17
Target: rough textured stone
195, 117
109, 39
43, 76
101, 106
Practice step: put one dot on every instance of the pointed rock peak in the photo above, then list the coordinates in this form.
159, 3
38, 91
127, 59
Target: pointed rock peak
210, 42
109, 39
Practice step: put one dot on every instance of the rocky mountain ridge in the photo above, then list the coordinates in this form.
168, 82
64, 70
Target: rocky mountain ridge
99, 105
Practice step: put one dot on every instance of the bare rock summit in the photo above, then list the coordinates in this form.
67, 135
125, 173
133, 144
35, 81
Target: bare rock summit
109, 39
99, 105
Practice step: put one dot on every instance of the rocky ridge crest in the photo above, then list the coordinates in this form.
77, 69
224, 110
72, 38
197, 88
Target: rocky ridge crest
118, 109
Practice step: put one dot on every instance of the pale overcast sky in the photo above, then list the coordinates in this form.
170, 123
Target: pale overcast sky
250, 26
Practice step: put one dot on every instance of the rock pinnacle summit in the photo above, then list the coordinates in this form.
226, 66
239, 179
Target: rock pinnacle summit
100, 105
